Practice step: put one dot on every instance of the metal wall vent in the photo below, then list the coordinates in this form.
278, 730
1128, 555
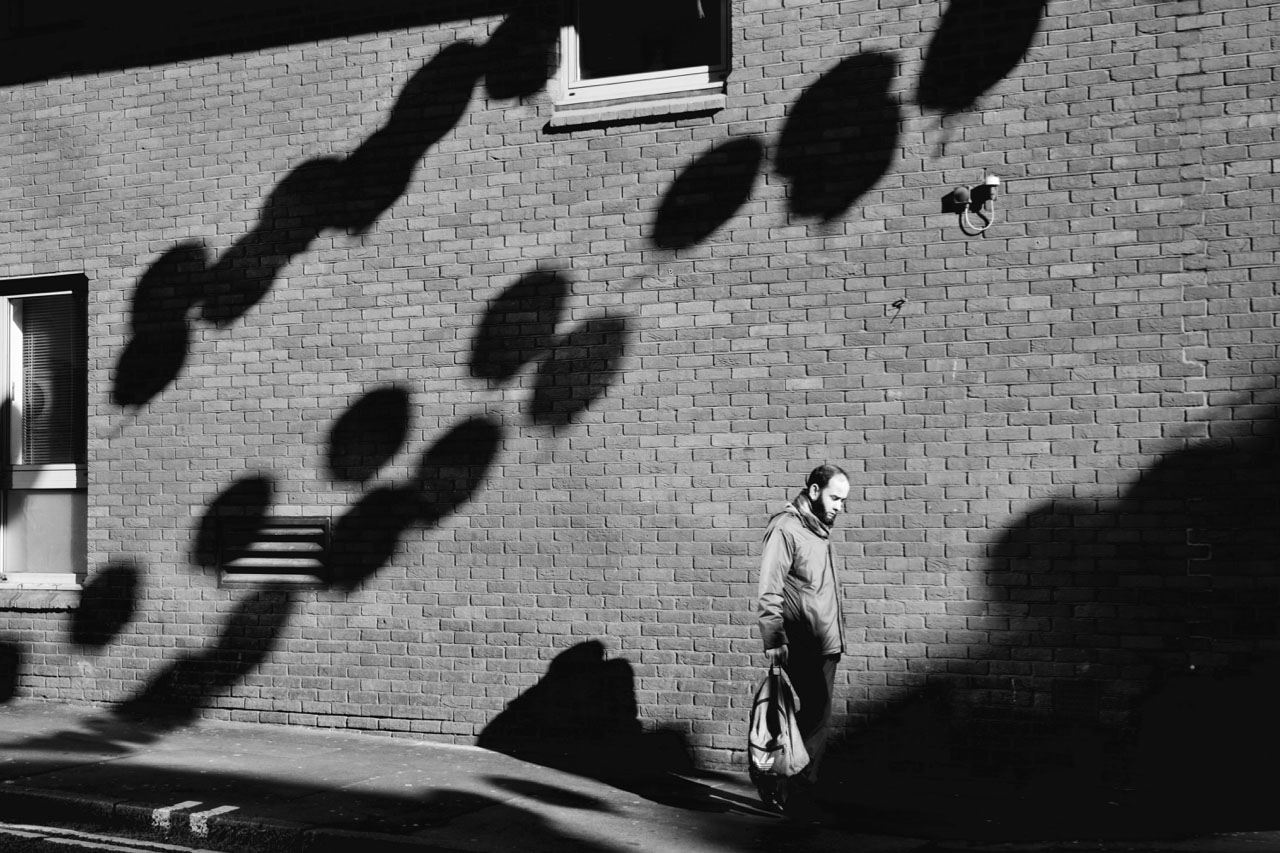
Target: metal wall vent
288, 551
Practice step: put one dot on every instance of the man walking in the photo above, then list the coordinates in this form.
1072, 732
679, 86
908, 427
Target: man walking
799, 616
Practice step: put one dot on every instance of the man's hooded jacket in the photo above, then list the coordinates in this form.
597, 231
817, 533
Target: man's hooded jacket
799, 596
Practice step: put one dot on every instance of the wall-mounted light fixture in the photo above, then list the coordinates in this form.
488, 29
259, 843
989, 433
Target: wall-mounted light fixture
980, 200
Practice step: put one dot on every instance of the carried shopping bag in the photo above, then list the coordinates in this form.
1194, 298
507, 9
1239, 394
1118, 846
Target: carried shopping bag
775, 748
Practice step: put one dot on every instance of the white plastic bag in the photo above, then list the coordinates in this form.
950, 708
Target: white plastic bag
774, 745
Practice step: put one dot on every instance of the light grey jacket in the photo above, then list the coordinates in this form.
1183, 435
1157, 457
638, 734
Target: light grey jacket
799, 594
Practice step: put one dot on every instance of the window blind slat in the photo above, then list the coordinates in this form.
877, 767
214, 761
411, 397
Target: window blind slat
52, 381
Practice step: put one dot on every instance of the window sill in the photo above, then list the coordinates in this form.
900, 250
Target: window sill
16, 597
631, 110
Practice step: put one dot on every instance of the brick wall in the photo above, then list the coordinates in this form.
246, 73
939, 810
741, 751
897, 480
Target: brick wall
613, 350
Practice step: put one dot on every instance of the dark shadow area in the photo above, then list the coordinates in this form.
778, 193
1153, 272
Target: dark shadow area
107, 603
455, 467
160, 331
523, 53
500, 823
302, 777
976, 46
1131, 665
349, 193
1204, 745
368, 435
143, 33
173, 697
708, 193
248, 503
945, 761
419, 820
1168, 605
324, 193
449, 474
581, 718
519, 325
10, 670
840, 137
300, 206
103, 736
523, 829
584, 700
365, 538
432, 102
579, 371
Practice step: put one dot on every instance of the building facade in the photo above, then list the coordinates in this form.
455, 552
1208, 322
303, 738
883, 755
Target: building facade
434, 372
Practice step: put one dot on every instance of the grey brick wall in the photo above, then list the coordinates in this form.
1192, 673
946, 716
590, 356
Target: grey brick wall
1061, 432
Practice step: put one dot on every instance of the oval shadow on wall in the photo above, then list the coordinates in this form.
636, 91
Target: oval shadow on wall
248, 502
432, 102
160, 334
579, 372
522, 55
247, 639
519, 325
453, 470
365, 538
708, 193
368, 434
841, 137
978, 44
107, 603
450, 473
297, 209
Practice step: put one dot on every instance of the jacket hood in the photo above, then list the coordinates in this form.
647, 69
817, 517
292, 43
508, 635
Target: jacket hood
802, 508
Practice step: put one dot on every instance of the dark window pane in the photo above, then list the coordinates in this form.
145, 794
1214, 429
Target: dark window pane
616, 38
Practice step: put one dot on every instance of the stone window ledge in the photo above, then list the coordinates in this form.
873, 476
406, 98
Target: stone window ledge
30, 598
630, 111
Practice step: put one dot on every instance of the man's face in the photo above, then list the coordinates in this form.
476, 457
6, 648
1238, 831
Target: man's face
829, 502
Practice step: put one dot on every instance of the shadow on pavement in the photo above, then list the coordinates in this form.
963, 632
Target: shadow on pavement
309, 781
581, 718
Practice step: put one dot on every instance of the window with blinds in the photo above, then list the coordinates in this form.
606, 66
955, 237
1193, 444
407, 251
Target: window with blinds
52, 386
43, 499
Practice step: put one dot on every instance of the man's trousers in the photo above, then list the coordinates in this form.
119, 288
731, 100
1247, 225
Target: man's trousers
814, 679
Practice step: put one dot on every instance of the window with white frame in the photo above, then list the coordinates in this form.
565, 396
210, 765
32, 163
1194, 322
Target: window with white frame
624, 50
42, 339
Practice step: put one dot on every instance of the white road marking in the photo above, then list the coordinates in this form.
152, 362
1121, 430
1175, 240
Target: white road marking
200, 820
93, 841
161, 818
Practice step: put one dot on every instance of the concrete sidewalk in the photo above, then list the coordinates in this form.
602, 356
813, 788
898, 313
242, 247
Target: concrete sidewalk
265, 788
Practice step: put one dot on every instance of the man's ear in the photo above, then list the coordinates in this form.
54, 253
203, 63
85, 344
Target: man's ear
814, 491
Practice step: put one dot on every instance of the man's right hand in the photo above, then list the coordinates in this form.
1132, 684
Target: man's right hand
777, 657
